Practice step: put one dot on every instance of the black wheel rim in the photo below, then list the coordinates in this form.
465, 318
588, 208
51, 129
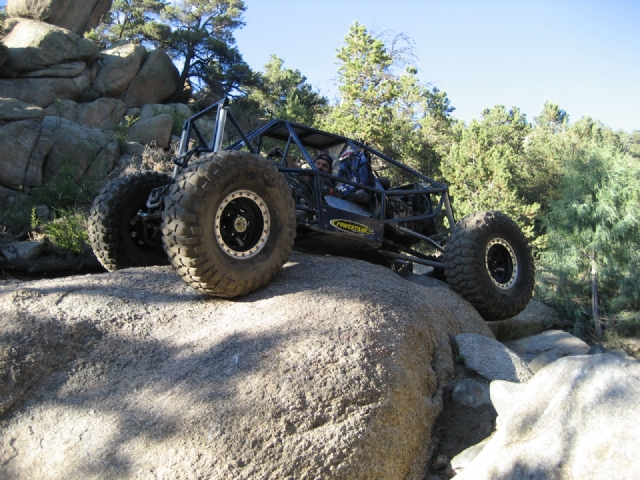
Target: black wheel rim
501, 263
242, 224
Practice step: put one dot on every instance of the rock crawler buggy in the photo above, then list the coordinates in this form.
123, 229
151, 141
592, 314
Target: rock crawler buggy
228, 217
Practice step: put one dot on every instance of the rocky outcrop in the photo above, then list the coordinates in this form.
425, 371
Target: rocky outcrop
534, 319
12, 110
88, 152
152, 131
4, 54
155, 82
116, 68
554, 342
104, 113
79, 17
316, 375
36, 46
25, 143
48, 70
42, 92
577, 418
491, 359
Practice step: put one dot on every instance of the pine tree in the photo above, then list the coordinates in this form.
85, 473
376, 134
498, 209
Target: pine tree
382, 101
285, 93
483, 166
197, 35
128, 21
593, 235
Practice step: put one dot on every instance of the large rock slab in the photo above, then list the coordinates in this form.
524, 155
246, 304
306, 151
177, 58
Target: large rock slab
88, 152
12, 110
116, 68
104, 113
67, 109
505, 395
64, 70
25, 145
44, 91
29, 250
36, 46
461, 308
577, 418
553, 342
491, 359
78, 17
4, 53
8, 197
534, 319
316, 375
155, 131
155, 82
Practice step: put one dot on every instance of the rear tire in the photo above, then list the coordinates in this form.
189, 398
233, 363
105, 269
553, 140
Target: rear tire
488, 261
116, 237
229, 223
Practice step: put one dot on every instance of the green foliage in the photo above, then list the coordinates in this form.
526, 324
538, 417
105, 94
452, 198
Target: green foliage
367, 87
484, 165
35, 221
122, 129
538, 171
68, 231
631, 143
130, 21
63, 193
283, 93
383, 103
3, 17
197, 34
573, 188
620, 326
595, 215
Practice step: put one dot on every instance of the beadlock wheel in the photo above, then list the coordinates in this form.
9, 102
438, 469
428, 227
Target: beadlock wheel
488, 261
228, 223
501, 263
242, 224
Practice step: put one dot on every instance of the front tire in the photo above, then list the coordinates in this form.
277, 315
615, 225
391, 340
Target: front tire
116, 237
488, 261
229, 223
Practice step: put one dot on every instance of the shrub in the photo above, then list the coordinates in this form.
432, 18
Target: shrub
68, 231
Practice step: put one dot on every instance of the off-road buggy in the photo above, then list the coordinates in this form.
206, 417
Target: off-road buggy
228, 217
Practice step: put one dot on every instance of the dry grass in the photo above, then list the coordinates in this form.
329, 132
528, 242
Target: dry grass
154, 159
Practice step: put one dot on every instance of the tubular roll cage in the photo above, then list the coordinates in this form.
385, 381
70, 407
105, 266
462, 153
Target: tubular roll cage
297, 133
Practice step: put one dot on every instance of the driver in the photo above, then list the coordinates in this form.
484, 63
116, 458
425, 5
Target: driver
324, 162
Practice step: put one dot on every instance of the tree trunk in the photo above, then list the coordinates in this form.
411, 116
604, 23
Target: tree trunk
594, 295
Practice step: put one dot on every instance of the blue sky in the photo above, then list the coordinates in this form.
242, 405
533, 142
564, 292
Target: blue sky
581, 54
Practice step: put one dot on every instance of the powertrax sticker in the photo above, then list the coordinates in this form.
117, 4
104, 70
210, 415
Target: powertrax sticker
351, 227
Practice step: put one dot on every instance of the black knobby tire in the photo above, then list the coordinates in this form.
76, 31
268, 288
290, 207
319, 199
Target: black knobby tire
229, 223
488, 261
117, 238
